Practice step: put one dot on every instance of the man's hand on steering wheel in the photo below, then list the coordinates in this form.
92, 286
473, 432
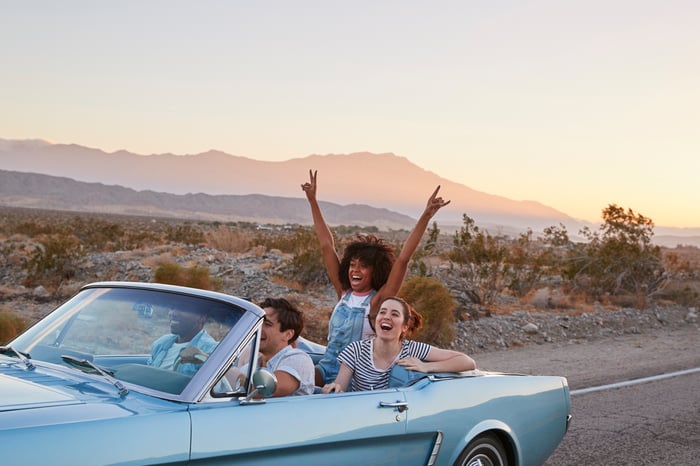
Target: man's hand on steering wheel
193, 355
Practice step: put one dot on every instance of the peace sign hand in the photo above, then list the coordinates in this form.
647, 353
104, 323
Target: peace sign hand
310, 187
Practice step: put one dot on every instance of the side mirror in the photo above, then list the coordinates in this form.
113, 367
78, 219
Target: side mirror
264, 382
264, 385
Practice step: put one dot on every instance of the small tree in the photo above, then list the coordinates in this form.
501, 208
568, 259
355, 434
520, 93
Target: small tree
482, 261
528, 259
620, 258
418, 265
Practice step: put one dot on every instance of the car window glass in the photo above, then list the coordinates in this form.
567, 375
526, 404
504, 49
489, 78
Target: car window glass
237, 377
130, 334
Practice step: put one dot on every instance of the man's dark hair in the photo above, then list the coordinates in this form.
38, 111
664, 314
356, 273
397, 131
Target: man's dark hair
372, 252
287, 315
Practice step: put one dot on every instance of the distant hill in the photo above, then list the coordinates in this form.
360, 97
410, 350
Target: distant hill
384, 180
58, 193
216, 185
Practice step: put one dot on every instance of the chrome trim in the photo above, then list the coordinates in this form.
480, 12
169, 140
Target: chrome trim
400, 406
436, 448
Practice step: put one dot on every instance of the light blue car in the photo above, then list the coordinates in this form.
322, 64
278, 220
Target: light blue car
89, 385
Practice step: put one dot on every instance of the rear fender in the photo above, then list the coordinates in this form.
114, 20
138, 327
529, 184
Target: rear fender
503, 431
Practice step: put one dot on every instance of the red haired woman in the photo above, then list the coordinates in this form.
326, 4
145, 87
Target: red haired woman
367, 363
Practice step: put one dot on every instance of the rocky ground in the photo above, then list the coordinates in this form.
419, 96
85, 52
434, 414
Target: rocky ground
251, 275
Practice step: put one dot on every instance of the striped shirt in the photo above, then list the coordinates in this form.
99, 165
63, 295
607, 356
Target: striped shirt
358, 357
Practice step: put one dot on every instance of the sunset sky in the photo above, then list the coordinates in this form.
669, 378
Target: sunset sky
576, 104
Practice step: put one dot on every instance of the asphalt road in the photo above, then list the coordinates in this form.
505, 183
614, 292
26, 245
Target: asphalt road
651, 423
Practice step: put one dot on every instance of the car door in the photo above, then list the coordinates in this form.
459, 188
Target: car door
358, 428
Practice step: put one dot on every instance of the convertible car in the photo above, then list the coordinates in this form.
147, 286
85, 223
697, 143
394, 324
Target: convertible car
85, 386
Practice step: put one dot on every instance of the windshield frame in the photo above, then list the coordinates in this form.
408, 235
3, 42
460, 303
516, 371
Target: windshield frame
244, 317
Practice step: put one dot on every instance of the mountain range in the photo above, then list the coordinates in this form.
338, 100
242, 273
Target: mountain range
216, 185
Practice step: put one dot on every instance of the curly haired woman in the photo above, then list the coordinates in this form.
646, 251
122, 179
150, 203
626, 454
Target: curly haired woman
366, 274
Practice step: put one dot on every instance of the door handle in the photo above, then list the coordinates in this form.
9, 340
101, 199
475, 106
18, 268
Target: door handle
401, 406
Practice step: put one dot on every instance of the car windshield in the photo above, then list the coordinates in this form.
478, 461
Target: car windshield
158, 339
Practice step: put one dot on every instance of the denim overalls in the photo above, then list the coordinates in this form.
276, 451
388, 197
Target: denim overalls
345, 326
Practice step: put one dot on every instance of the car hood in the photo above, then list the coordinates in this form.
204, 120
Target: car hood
19, 394
48, 389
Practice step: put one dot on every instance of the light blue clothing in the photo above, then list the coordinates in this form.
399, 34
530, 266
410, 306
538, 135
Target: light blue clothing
344, 327
296, 363
160, 348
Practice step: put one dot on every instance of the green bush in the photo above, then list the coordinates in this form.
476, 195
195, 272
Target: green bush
435, 303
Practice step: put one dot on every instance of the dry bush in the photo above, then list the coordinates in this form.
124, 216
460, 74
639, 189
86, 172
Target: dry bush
158, 259
286, 282
226, 239
315, 320
258, 250
53, 260
435, 303
172, 273
11, 324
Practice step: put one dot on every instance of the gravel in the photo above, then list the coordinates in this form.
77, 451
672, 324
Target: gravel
250, 275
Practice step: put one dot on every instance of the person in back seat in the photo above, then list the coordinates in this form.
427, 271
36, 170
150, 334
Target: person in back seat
365, 274
367, 363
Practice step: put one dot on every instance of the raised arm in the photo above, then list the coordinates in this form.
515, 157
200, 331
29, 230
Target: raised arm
323, 233
400, 267
440, 360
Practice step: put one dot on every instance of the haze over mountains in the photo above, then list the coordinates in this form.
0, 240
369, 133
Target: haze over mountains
367, 189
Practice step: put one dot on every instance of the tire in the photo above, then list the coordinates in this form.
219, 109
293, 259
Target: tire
484, 450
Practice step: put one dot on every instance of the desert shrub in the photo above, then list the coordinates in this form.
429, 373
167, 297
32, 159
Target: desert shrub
53, 260
11, 324
306, 265
418, 265
481, 260
97, 234
137, 239
32, 228
172, 273
228, 239
684, 294
288, 241
435, 303
186, 234
199, 277
352, 230
494, 265
619, 259
527, 262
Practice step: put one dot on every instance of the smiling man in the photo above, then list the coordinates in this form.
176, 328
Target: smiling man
293, 368
187, 346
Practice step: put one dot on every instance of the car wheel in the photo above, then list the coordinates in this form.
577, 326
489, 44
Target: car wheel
485, 450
